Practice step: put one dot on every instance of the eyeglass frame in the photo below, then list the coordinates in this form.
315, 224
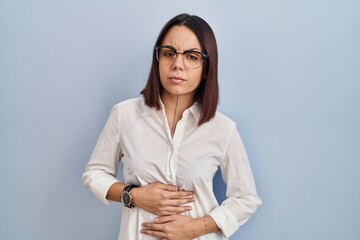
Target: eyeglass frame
157, 48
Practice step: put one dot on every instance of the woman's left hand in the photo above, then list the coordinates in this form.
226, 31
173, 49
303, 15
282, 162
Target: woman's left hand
172, 227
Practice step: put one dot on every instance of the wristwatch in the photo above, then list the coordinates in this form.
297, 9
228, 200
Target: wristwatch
126, 196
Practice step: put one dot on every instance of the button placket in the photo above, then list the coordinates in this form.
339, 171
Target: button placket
174, 142
168, 167
173, 164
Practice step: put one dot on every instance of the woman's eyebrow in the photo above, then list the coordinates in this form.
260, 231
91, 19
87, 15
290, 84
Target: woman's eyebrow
192, 49
189, 49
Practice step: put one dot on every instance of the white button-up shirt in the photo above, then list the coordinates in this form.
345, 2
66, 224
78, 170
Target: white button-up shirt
140, 138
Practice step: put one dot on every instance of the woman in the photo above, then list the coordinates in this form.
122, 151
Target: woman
171, 141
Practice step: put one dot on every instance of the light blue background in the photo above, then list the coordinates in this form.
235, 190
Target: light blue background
289, 74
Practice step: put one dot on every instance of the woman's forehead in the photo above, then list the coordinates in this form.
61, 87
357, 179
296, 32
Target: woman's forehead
182, 38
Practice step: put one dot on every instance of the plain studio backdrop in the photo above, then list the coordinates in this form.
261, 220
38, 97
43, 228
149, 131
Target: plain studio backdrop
289, 74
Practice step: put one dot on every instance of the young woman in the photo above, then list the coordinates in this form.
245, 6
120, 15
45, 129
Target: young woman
171, 141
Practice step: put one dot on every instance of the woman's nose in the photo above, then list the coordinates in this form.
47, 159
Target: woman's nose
178, 61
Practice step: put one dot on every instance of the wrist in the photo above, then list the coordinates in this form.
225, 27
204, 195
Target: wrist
205, 225
126, 196
135, 196
199, 227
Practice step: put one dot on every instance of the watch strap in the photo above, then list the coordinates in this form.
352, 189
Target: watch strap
129, 187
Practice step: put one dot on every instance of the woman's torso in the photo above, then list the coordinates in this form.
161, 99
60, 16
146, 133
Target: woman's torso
188, 160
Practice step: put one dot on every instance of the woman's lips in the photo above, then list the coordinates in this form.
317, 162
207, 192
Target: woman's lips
176, 80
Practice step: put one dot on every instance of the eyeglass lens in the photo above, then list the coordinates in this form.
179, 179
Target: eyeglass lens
191, 58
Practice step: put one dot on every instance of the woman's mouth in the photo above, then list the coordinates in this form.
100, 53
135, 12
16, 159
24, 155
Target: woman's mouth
176, 80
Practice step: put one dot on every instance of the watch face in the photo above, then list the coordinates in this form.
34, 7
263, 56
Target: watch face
126, 199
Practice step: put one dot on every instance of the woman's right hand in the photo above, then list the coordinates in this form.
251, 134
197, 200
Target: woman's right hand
162, 199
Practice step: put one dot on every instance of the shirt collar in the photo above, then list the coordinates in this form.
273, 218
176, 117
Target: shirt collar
195, 109
146, 110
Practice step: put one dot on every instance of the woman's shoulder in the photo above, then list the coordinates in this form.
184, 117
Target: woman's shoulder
222, 119
130, 103
221, 123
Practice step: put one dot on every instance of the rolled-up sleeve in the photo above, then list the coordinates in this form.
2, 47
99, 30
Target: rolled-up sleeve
100, 173
242, 199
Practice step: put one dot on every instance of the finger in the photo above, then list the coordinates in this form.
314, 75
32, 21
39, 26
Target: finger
170, 188
155, 226
164, 219
174, 210
166, 187
153, 233
181, 194
180, 202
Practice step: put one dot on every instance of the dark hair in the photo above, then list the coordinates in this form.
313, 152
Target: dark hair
208, 91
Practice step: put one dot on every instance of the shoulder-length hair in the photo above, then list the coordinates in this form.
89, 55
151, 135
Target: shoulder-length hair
207, 94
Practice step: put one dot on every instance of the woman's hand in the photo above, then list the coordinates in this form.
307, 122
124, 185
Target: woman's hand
162, 199
176, 227
172, 228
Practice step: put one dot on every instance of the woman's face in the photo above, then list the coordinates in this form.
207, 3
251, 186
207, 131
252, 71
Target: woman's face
176, 78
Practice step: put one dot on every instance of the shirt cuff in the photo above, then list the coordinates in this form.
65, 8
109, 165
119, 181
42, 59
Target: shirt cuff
101, 187
225, 220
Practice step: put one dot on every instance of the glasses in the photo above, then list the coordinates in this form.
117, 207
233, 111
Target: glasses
191, 58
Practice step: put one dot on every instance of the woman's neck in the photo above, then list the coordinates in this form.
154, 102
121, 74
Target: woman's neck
175, 105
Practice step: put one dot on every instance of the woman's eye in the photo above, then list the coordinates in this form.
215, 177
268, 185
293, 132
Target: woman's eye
193, 56
169, 54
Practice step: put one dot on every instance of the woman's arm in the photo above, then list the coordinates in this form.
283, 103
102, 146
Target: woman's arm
157, 198
242, 199
100, 176
179, 227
